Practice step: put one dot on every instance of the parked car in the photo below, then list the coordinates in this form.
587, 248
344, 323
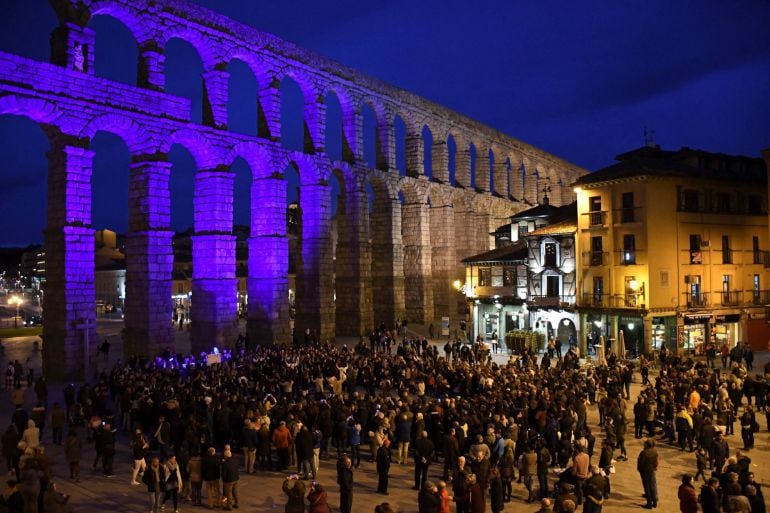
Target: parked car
35, 320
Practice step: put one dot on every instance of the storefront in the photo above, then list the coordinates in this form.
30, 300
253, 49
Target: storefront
632, 329
664, 333
695, 333
498, 317
725, 330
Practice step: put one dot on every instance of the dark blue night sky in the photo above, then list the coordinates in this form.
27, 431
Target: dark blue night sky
579, 79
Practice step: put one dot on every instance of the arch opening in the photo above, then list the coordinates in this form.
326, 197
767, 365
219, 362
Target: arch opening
399, 135
116, 51
183, 71
427, 138
292, 120
371, 140
451, 158
337, 146
242, 98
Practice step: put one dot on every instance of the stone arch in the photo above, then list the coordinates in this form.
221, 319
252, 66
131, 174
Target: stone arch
36, 109
413, 151
310, 173
137, 139
351, 152
428, 144
384, 140
200, 147
139, 27
256, 156
313, 111
462, 162
208, 50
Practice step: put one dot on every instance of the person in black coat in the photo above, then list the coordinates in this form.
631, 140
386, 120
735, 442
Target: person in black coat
345, 481
304, 446
496, 490
451, 453
210, 471
424, 451
709, 496
428, 500
383, 467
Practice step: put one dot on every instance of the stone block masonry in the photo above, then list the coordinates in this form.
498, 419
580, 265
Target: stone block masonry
395, 259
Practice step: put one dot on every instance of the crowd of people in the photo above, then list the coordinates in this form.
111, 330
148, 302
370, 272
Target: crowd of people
479, 435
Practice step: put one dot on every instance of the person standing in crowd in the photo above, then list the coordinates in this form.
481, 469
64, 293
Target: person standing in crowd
294, 489
428, 500
383, 468
496, 491
173, 483
688, 499
250, 443
58, 421
318, 499
195, 471
108, 450
139, 448
423, 456
281, 439
73, 451
647, 466
345, 482
211, 472
155, 479
230, 479
709, 496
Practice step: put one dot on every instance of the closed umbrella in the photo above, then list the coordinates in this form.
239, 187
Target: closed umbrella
601, 357
621, 345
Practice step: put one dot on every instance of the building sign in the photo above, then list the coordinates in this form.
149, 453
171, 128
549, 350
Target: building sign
697, 318
727, 318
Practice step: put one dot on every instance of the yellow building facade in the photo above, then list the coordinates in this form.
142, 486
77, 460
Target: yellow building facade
673, 250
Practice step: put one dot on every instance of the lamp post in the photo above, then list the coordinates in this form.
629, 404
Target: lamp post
18, 301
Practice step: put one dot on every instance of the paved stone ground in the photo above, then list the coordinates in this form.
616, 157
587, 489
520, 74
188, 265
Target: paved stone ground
262, 492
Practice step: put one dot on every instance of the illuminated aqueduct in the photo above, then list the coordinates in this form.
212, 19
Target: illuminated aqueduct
396, 262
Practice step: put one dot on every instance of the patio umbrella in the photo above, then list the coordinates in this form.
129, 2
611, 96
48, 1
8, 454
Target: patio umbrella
601, 357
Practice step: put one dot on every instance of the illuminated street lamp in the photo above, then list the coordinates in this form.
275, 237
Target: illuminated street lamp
18, 301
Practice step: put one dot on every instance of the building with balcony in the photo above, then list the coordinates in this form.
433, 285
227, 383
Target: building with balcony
528, 280
674, 250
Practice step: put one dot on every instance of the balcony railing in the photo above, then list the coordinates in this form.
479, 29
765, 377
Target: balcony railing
556, 301
731, 298
760, 297
635, 300
596, 217
696, 300
762, 257
595, 258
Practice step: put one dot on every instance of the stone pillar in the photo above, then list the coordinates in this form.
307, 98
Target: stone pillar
464, 236
314, 125
415, 154
215, 90
415, 231
387, 260
531, 186
150, 74
463, 167
353, 276
385, 145
149, 261
69, 332
269, 111
72, 47
483, 240
482, 170
268, 284
352, 136
315, 280
439, 156
214, 288
501, 179
517, 184
647, 322
442, 241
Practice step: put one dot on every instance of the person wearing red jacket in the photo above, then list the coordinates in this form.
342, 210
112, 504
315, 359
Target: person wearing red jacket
688, 499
